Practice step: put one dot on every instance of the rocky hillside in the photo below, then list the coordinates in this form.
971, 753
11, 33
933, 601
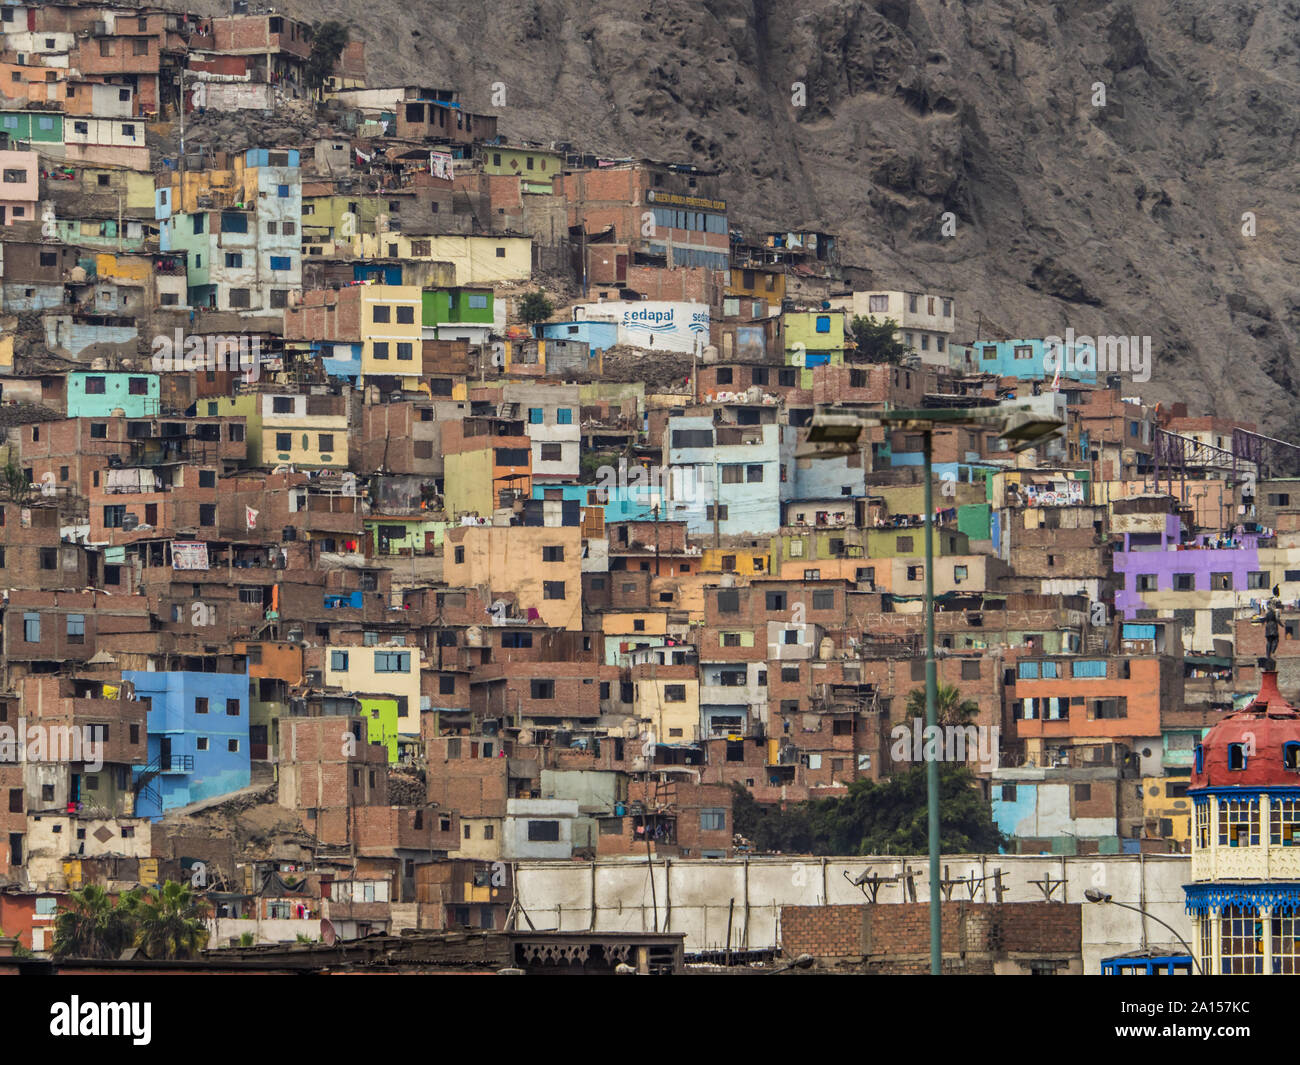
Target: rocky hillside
1117, 217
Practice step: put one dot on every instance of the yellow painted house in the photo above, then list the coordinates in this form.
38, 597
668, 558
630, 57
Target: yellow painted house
287, 428
478, 260
389, 670
390, 333
540, 567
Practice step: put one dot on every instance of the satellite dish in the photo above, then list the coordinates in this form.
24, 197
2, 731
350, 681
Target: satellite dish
327, 934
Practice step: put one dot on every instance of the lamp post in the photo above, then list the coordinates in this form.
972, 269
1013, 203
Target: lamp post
1022, 426
1093, 895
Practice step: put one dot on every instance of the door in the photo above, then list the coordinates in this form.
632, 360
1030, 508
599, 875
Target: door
165, 752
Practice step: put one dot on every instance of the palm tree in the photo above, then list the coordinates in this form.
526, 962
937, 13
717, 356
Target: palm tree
950, 707
93, 926
171, 922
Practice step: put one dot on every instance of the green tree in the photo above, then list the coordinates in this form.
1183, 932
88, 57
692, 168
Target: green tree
951, 708
890, 817
170, 922
16, 485
19, 950
92, 925
535, 307
327, 44
875, 341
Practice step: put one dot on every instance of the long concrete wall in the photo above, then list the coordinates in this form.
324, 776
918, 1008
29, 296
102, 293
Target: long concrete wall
693, 896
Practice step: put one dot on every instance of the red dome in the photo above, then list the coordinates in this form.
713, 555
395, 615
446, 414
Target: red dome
1261, 732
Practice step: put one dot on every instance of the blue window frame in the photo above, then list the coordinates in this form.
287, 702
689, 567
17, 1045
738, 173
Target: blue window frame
283, 191
1238, 756
339, 661
1028, 671
1091, 668
1200, 759
534, 415
281, 262
823, 323
564, 416
392, 661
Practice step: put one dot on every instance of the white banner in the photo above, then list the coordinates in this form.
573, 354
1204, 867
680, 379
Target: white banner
189, 555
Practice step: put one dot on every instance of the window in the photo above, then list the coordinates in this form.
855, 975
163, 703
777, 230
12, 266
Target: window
1238, 755
823, 323
543, 831
325, 442
790, 674
49, 258
99, 430
281, 262
501, 253
903, 544
1184, 582
552, 589
239, 298
674, 693
405, 352
392, 661
232, 707
753, 473
1238, 822
1255, 579
201, 743
552, 453
823, 601
405, 315
76, 628
775, 600
282, 191
1221, 582
692, 438
32, 628
541, 689
283, 441
553, 554
207, 514
713, 820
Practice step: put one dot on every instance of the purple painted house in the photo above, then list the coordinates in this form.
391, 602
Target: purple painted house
1161, 562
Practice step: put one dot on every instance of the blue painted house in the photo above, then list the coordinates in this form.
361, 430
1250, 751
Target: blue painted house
1027, 360
198, 737
599, 335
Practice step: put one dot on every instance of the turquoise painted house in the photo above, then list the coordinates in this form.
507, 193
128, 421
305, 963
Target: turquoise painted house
98, 395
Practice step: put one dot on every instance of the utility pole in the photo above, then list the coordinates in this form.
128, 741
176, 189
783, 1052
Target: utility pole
181, 206
657, 506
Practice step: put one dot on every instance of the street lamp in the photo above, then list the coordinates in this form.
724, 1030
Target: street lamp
1021, 426
1093, 895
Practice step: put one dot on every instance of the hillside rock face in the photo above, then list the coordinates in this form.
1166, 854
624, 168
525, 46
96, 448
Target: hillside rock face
1101, 159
